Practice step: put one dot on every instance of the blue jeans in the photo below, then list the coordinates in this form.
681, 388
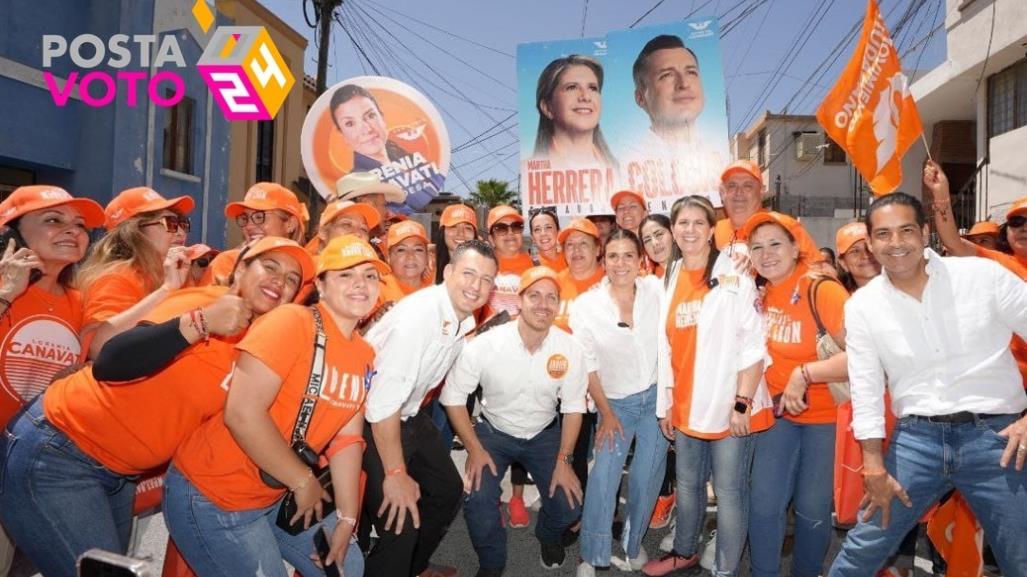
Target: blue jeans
928, 459
56, 502
216, 542
794, 463
481, 508
637, 416
730, 461
441, 420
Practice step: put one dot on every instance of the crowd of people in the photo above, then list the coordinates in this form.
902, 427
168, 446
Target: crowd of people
292, 392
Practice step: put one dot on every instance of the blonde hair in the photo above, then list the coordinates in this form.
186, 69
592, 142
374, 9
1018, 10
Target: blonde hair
123, 247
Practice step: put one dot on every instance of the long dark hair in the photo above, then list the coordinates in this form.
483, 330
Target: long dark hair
347, 92
548, 81
703, 204
65, 278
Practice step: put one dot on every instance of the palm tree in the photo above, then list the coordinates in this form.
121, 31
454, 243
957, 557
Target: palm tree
492, 193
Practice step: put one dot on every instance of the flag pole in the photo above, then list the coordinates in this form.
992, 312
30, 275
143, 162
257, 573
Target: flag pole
926, 148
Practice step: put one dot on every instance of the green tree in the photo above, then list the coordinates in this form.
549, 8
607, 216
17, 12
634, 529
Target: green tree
492, 193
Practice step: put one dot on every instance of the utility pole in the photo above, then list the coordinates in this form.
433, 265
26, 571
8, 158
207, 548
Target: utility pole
325, 16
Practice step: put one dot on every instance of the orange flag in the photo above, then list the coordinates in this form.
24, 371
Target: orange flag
870, 112
957, 536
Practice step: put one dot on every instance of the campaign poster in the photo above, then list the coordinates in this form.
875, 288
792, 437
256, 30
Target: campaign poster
566, 161
378, 125
667, 116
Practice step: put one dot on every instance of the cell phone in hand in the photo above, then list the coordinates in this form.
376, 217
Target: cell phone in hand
99, 563
322, 545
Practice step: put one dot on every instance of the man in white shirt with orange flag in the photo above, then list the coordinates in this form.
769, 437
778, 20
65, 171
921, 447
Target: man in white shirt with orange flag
936, 331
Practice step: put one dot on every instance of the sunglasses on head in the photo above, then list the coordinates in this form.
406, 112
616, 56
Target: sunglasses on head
172, 223
508, 228
202, 262
1016, 221
551, 210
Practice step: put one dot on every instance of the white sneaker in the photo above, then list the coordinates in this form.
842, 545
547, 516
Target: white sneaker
709, 554
629, 565
667, 544
586, 570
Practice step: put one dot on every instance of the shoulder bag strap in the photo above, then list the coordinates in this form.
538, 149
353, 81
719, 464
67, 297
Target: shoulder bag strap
812, 298
316, 382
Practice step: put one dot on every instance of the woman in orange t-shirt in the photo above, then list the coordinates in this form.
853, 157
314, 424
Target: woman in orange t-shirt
135, 265
794, 460
75, 453
407, 248
223, 491
544, 228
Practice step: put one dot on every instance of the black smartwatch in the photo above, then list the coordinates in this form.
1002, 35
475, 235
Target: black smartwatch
742, 404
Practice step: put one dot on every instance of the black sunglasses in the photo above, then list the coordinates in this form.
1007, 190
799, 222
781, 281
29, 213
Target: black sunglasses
202, 262
1016, 221
171, 223
508, 228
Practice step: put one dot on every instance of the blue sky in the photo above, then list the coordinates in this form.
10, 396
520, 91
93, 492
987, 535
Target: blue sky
460, 53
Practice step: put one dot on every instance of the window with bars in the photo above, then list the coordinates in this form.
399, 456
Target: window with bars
1007, 99
178, 135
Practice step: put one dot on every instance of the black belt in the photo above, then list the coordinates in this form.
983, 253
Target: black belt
556, 421
959, 418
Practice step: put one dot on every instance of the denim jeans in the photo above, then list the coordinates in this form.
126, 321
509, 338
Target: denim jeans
794, 463
928, 459
216, 542
481, 508
441, 420
730, 461
637, 416
55, 501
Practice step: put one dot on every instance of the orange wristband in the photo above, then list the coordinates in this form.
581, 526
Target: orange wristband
875, 473
395, 471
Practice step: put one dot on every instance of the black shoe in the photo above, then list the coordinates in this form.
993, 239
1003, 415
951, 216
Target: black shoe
483, 572
569, 536
552, 556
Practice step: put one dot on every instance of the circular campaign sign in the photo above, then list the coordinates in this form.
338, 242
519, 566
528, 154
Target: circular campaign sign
381, 126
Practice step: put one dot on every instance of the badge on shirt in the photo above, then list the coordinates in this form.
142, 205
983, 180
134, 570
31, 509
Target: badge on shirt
445, 328
557, 366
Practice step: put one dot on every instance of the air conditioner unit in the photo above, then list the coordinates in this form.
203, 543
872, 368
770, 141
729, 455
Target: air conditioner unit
807, 145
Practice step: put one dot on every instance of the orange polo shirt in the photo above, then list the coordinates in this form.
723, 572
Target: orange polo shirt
570, 288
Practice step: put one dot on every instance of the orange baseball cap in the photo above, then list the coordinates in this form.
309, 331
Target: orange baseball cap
348, 251
849, 235
134, 201
455, 214
340, 207
404, 230
535, 274
197, 250
578, 225
625, 195
1018, 208
289, 247
983, 227
503, 211
765, 216
745, 166
267, 196
25, 199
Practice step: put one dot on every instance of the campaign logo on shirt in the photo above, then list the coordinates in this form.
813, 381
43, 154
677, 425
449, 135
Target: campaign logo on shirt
343, 390
687, 314
33, 351
781, 328
557, 366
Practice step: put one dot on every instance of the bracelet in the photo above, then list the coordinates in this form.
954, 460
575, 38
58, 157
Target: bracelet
395, 471
198, 321
744, 399
351, 521
875, 473
805, 374
310, 475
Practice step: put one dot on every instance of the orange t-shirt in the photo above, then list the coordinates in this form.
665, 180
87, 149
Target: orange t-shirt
1018, 346
558, 264
724, 233
210, 457
38, 338
682, 333
133, 427
220, 268
393, 289
570, 289
112, 294
792, 337
508, 278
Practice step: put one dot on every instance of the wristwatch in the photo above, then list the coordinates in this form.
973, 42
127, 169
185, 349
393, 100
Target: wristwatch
742, 404
567, 458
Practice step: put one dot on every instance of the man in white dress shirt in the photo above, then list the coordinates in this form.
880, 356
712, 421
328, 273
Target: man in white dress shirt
937, 331
529, 372
409, 469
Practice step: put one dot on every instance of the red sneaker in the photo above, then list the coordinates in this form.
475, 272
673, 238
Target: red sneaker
519, 517
663, 512
668, 564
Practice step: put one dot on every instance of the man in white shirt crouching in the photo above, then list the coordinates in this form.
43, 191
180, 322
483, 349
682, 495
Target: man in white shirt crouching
937, 330
529, 374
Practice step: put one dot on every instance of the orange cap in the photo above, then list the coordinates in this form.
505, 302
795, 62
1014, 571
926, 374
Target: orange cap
267, 196
849, 235
134, 201
535, 274
578, 225
503, 211
744, 166
404, 230
454, 214
197, 250
1019, 207
765, 216
25, 199
625, 195
289, 247
983, 227
340, 207
348, 251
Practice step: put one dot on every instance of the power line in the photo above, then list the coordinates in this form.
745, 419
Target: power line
646, 13
437, 29
584, 17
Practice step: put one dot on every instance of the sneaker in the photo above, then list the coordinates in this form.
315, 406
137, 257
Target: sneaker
709, 554
552, 555
585, 570
663, 512
667, 544
668, 564
434, 570
629, 565
570, 535
519, 517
